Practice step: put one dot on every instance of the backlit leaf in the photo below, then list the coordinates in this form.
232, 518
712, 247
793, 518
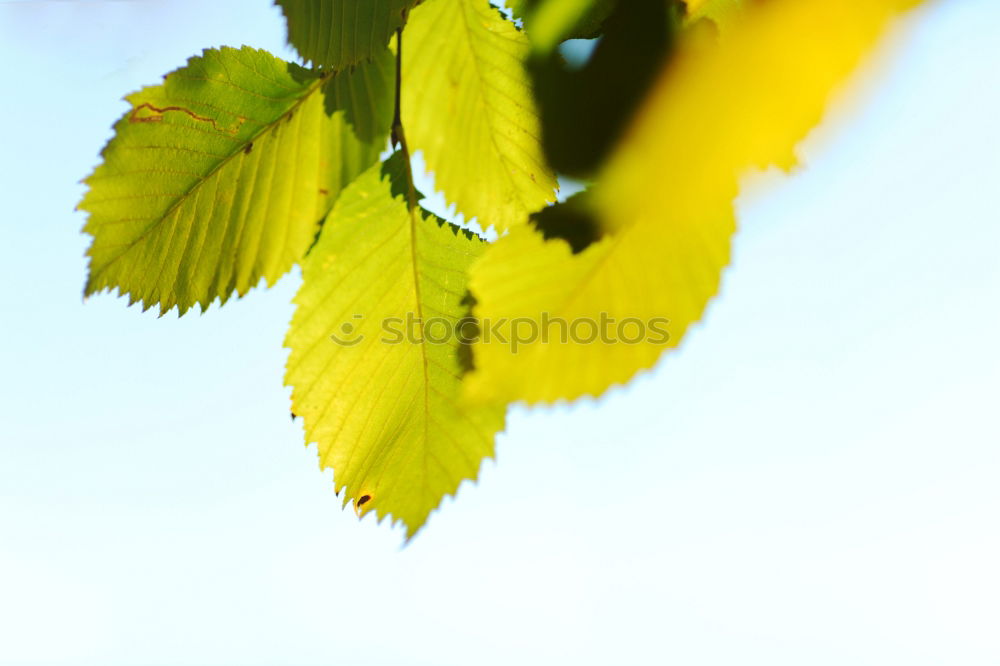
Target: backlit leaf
467, 105
220, 176
386, 409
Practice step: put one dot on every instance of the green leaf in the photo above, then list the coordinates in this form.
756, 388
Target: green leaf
220, 176
467, 105
387, 414
339, 33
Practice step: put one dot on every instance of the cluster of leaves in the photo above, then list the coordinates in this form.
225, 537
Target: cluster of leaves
239, 166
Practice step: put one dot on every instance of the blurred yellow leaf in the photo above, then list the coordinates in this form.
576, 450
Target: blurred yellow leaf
664, 200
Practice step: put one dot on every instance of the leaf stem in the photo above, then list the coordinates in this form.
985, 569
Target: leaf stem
397, 121
398, 136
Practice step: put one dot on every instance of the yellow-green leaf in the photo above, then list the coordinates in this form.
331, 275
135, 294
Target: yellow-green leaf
219, 176
665, 199
383, 403
467, 105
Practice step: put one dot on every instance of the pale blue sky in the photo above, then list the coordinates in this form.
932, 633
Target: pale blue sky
811, 480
